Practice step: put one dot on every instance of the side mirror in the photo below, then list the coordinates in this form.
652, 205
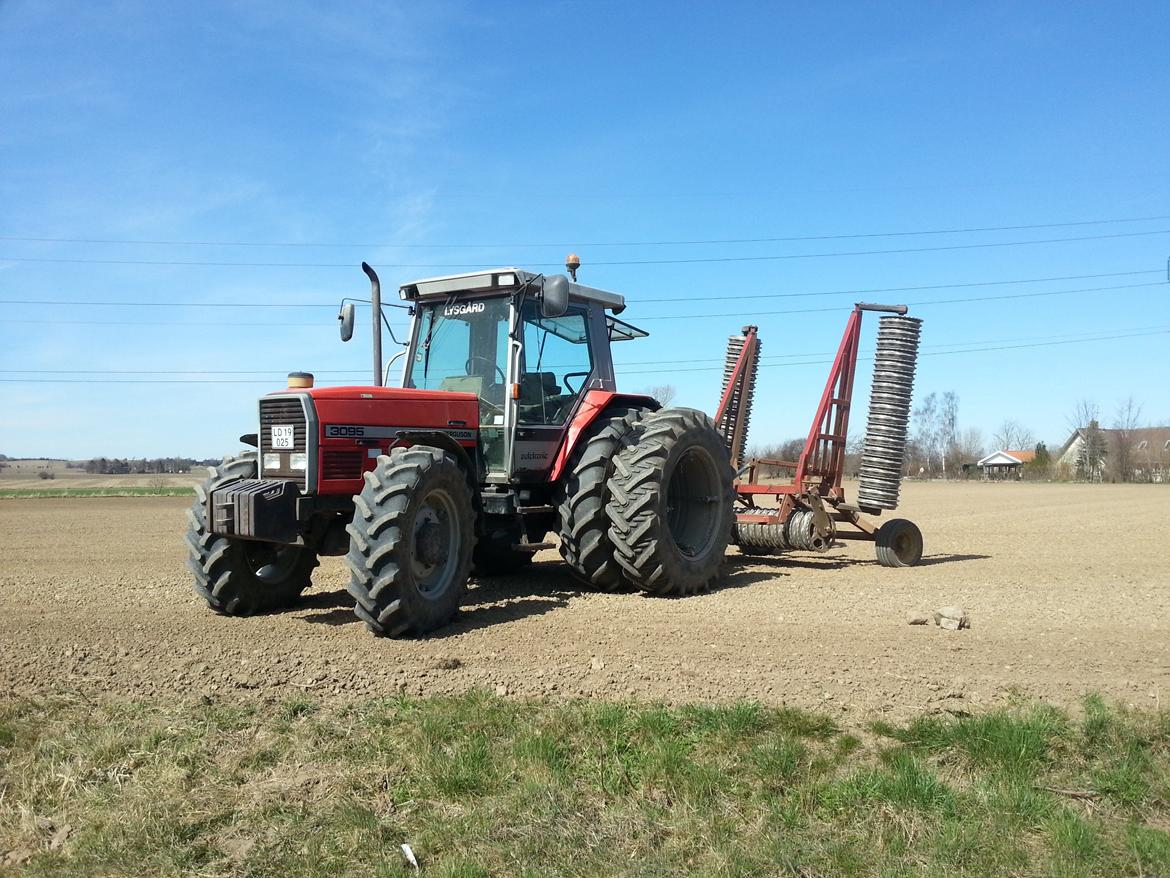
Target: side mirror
554, 301
345, 318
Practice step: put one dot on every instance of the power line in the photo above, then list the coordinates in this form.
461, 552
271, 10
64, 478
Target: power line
686, 261
970, 350
219, 323
967, 350
1074, 336
923, 303
721, 314
170, 303
950, 286
665, 243
276, 372
989, 341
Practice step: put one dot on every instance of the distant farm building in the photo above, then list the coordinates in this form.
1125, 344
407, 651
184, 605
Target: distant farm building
1005, 464
1094, 454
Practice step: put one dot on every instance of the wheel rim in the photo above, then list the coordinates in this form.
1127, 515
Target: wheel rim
269, 563
434, 547
906, 545
692, 496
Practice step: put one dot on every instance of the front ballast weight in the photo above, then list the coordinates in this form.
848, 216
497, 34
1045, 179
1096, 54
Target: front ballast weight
810, 511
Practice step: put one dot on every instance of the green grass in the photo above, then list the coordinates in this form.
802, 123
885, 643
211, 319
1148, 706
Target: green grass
41, 493
479, 785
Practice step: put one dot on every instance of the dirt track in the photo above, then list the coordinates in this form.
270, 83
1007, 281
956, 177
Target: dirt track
1068, 588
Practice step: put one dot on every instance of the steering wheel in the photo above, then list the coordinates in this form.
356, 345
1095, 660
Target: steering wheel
565, 381
474, 357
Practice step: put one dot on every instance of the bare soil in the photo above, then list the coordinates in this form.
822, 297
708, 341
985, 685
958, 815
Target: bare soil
26, 474
1068, 588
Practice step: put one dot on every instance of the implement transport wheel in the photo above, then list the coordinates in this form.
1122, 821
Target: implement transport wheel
585, 543
242, 577
670, 507
898, 543
411, 539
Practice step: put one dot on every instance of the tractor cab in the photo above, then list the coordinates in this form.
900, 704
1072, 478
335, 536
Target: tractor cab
529, 347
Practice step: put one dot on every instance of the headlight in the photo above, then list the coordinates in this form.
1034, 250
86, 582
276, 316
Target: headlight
298, 461
271, 461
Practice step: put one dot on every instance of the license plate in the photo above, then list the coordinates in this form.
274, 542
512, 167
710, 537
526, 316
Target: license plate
282, 435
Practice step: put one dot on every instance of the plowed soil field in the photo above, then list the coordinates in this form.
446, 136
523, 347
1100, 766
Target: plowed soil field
1067, 586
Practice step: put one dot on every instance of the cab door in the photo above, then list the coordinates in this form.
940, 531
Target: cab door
556, 366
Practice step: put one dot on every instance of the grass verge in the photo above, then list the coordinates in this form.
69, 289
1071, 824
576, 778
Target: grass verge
42, 493
479, 785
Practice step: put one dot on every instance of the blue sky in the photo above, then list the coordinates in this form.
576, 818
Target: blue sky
497, 134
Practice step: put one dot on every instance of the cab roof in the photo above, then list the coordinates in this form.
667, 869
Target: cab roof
501, 279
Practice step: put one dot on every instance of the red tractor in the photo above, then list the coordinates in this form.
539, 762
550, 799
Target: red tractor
509, 426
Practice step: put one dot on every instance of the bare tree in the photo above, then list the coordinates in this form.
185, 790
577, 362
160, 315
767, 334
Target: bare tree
936, 423
969, 446
788, 451
1084, 413
946, 428
1013, 436
925, 416
664, 393
1125, 422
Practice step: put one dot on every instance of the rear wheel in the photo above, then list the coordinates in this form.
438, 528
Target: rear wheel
585, 543
898, 543
411, 541
671, 504
242, 577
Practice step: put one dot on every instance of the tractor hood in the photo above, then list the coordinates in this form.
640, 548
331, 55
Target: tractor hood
377, 412
326, 437
386, 394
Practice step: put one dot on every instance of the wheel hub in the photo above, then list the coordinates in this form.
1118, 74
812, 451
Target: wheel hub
434, 544
271, 564
429, 543
691, 496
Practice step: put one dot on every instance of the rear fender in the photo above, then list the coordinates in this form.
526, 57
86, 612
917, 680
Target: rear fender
592, 407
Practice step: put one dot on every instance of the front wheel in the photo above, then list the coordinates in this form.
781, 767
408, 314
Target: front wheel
242, 577
411, 539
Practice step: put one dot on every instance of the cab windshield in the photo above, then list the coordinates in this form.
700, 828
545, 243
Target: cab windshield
463, 346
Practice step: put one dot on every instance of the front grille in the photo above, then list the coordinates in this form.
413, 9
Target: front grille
283, 411
341, 465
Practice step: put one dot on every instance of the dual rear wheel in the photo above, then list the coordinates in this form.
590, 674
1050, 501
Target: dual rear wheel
670, 504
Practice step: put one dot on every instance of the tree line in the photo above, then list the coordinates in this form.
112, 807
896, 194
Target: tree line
145, 465
1107, 448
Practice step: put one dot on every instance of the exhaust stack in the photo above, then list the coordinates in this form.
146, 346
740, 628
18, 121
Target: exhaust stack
376, 315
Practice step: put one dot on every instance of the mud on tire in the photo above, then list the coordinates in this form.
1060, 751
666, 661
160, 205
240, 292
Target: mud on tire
670, 507
242, 577
411, 541
584, 524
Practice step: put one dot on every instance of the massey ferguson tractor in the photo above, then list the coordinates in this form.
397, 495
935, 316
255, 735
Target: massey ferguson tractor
508, 426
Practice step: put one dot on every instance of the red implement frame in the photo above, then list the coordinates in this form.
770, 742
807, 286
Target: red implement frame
816, 475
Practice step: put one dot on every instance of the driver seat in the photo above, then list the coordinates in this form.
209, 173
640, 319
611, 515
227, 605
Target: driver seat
538, 393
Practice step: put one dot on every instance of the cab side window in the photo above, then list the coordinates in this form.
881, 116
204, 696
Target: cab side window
557, 365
